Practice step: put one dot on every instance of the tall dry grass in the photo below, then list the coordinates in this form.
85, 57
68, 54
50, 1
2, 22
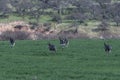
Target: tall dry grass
7, 30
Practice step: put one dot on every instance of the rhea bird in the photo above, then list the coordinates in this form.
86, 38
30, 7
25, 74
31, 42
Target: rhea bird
107, 47
52, 47
12, 42
64, 42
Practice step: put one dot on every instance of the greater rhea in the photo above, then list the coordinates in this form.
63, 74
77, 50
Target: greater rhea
64, 42
12, 42
107, 47
52, 47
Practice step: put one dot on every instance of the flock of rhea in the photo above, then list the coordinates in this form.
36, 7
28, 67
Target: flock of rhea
64, 42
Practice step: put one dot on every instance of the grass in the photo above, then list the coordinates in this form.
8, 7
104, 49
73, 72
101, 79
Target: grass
47, 19
12, 18
82, 60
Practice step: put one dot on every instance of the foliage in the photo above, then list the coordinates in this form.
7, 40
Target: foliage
60, 9
103, 26
20, 35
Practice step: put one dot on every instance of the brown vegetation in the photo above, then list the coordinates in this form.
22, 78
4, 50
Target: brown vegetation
20, 30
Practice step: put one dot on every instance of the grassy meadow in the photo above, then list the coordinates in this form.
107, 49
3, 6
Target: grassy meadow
84, 59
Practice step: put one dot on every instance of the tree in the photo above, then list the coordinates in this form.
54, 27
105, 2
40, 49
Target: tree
77, 17
59, 6
22, 7
4, 8
116, 19
103, 7
38, 9
103, 27
116, 13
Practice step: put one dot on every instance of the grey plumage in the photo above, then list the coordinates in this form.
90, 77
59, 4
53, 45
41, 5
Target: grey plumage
107, 47
12, 42
52, 47
64, 42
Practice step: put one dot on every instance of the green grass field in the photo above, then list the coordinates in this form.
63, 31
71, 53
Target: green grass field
82, 60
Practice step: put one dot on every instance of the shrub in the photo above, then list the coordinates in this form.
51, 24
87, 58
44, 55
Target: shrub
56, 18
104, 26
19, 35
33, 25
72, 35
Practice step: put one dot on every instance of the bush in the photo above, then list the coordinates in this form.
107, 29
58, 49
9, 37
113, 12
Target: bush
33, 25
18, 26
103, 26
71, 34
56, 18
19, 35
4, 16
77, 17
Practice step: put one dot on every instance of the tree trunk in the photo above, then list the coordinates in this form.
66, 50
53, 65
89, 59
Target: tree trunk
37, 19
23, 17
60, 14
117, 24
